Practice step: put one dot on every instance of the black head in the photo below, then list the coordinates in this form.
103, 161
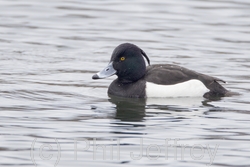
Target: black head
127, 63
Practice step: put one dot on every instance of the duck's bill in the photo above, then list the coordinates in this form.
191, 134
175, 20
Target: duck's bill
106, 72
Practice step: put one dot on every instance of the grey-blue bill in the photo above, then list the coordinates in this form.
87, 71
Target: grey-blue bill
106, 72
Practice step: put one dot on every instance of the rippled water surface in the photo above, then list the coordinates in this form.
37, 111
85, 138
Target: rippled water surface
54, 114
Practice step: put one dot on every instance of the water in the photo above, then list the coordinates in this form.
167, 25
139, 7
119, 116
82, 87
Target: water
51, 109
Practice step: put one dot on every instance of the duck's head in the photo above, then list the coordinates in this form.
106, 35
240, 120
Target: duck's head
126, 62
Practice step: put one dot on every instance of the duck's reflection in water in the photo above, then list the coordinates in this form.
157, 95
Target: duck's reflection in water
134, 109
129, 109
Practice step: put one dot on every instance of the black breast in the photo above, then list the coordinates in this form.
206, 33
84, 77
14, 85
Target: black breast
133, 89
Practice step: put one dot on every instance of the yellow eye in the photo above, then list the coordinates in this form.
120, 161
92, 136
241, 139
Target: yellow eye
122, 58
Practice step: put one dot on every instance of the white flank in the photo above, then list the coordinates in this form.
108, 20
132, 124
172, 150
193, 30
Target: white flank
191, 88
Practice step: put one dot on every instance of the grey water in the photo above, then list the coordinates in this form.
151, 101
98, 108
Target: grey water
53, 114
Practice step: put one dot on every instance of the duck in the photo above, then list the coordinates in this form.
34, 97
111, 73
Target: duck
137, 80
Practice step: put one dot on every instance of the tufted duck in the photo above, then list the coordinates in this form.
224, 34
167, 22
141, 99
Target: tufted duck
136, 80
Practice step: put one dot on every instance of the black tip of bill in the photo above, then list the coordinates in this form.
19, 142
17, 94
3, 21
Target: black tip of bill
95, 76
